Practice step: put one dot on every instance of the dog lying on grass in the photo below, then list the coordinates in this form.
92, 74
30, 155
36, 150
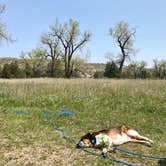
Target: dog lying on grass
108, 139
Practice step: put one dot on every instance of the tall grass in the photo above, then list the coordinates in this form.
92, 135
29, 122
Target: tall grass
25, 140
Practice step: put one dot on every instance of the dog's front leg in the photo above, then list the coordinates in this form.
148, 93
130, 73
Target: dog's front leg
109, 148
104, 152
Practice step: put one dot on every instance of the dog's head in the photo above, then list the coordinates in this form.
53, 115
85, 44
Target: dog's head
86, 141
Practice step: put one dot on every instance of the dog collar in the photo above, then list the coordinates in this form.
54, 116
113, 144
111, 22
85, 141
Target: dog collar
93, 141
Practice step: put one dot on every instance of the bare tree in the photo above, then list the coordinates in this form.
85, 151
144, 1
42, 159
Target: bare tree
69, 36
159, 69
3, 34
52, 48
132, 70
124, 36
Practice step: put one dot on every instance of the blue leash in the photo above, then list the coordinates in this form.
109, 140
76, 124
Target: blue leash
109, 158
65, 112
66, 136
141, 155
21, 112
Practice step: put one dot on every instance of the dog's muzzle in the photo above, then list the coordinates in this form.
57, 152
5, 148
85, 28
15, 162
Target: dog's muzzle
80, 145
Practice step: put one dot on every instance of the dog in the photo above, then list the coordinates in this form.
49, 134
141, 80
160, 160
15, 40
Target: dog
108, 139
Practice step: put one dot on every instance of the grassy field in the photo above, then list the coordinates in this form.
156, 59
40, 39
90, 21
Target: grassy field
26, 140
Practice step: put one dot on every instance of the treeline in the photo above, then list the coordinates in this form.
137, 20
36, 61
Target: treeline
40, 67
30, 69
135, 70
34, 64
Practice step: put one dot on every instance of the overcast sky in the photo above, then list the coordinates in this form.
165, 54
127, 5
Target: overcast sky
27, 19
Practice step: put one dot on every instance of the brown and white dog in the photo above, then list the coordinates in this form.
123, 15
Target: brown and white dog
108, 139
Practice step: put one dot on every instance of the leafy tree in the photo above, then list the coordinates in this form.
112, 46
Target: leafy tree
37, 61
52, 49
58, 70
14, 69
6, 71
111, 70
28, 70
124, 36
69, 36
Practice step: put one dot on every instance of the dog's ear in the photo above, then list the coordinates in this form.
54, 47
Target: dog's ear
88, 134
123, 129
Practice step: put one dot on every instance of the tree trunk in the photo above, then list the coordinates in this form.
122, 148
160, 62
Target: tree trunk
68, 67
68, 71
52, 67
123, 59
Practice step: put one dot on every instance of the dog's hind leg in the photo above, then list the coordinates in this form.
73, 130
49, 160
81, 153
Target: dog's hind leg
144, 138
141, 142
134, 134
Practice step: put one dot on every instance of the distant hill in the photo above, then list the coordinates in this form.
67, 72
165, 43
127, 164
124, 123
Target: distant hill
7, 60
89, 69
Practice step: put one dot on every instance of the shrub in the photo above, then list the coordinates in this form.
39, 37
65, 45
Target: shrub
6, 71
111, 70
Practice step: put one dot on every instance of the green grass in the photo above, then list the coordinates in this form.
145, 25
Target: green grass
26, 140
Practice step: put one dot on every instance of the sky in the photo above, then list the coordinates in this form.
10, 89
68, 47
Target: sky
26, 20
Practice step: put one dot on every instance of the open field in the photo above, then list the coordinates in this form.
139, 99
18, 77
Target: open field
26, 140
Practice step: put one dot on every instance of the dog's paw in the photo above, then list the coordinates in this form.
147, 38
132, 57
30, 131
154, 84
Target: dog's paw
151, 141
148, 144
104, 150
104, 155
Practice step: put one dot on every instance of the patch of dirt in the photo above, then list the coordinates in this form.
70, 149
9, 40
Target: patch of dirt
41, 156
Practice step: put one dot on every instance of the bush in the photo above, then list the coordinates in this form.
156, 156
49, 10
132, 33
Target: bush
111, 70
28, 70
12, 70
6, 71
